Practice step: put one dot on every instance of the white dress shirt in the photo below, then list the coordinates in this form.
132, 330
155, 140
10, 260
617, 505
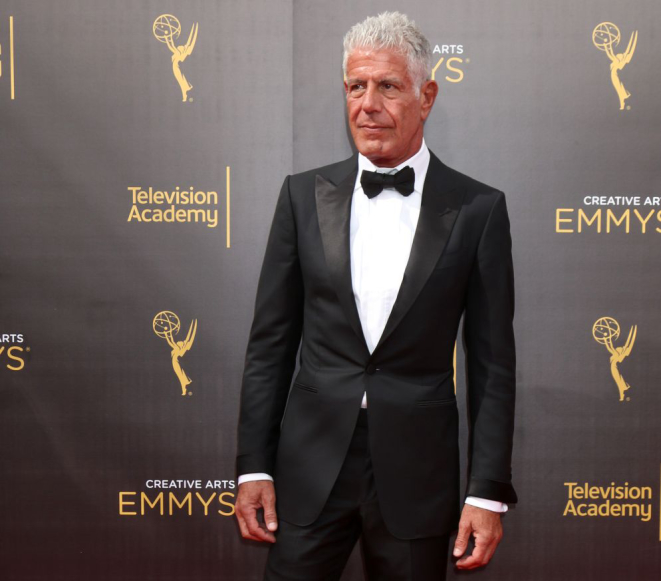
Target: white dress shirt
381, 235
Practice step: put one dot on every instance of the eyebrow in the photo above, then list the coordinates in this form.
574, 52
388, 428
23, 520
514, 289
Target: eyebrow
391, 81
388, 80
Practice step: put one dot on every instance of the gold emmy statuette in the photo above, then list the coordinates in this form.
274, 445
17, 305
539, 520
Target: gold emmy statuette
605, 36
605, 331
166, 324
166, 29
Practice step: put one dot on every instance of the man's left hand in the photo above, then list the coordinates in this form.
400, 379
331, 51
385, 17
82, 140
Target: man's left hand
487, 529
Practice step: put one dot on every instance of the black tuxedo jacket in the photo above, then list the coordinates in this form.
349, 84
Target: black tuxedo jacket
460, 262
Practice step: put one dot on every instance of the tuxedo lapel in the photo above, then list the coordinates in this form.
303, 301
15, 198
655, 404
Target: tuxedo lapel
441, 201
334, 214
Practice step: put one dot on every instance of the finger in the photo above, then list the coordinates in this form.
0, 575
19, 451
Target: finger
270, 516
243, 527
461, 542
467, 562
255, 529
481, 555
490, 549
489, 553
267, 534
473, 560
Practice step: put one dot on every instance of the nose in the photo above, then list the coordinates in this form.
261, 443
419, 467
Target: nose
371, 101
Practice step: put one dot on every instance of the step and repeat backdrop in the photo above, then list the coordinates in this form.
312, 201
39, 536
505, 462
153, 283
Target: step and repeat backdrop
142, 147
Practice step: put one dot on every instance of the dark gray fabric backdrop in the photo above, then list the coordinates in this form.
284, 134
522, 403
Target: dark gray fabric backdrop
91, 407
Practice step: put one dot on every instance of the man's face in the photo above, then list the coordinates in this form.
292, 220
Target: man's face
385, 115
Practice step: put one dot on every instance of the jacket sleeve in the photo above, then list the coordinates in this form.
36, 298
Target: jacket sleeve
272, 345
491, 360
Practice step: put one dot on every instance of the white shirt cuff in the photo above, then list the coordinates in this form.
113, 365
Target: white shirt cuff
493, 505
253, 476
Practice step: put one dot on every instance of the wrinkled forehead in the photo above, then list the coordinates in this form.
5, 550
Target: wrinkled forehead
377, 62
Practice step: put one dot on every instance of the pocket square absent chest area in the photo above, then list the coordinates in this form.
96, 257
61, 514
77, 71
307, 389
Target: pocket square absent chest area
455, 250
454, 254
450, 273
450, 259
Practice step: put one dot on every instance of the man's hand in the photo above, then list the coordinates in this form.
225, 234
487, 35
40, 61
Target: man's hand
253, 496
487, 529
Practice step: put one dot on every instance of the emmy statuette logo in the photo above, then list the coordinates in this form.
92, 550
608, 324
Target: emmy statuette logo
606, 330
166, 325
606, 36
167, 29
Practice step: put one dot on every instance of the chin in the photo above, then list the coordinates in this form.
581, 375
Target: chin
380, 154
372, 147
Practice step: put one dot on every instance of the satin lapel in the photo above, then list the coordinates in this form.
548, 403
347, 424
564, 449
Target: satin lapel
440, 204
334, 214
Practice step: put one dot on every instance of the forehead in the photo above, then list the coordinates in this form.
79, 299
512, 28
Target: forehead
369, 62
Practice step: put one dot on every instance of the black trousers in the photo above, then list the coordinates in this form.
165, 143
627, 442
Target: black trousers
319, 552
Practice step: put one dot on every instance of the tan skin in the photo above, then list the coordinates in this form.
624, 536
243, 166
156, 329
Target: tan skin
386, 120
385, 115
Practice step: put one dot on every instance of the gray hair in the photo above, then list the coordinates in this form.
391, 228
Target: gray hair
392, 30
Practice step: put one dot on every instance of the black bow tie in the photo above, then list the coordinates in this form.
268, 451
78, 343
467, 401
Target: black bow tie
373, 182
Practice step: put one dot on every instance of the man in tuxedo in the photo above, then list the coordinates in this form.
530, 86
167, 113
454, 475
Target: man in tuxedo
369, 266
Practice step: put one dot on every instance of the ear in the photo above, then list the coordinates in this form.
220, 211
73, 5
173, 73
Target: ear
428, 93
346, 85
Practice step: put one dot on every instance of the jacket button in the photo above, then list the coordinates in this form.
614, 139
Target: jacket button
370, 369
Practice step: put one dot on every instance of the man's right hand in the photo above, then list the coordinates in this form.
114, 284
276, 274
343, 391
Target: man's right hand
252, 496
